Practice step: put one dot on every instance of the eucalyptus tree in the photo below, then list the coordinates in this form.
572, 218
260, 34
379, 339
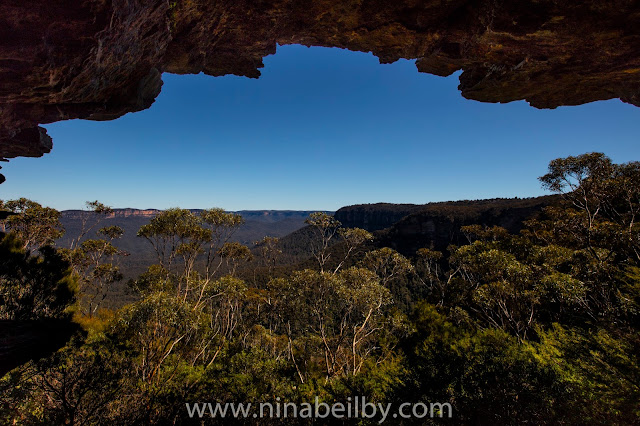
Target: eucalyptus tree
96, 264
326, 228
337, 318
34, 285
192, 246
35, 225
598, 221
387, 264
189, 312
602, 204
269, 251
353, 239
93, 214
234, 253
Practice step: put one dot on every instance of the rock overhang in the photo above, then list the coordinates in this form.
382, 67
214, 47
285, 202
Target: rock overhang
98, 59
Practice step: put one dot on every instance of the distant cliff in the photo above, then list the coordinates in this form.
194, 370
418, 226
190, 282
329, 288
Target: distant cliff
117, 213
438, 225
374, 217
257, 215
409, 227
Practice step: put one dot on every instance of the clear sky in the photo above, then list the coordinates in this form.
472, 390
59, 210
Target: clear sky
322, 128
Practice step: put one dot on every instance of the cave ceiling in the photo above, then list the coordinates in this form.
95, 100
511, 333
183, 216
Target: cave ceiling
99, 59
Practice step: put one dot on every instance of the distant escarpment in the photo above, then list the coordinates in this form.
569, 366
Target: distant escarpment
437, 225
115, 213
409, 227
98, 60
374, 217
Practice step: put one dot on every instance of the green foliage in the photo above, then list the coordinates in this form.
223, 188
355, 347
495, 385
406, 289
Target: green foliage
155, 279
97, 207
90, 218
35, 225
486, 374
179, 234
111, 232
600, 368
80, 384
234, 253
34, 286
326, 227
387, 264
269, 251
538, 327
94, 263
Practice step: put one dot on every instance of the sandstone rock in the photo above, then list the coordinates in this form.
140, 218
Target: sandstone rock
99, 59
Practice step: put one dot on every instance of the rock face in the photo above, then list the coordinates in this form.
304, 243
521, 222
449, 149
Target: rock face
99, 59
437, 225
374, 217
116, 213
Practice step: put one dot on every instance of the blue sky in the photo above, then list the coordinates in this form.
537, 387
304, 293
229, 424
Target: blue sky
322, 128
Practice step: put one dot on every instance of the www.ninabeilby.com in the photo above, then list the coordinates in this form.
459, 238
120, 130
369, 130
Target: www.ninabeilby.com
354, 408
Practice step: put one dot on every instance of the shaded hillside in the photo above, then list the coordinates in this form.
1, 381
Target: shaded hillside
374, 217
437, 225
272, 223
297, 246
409, 227
21, 341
